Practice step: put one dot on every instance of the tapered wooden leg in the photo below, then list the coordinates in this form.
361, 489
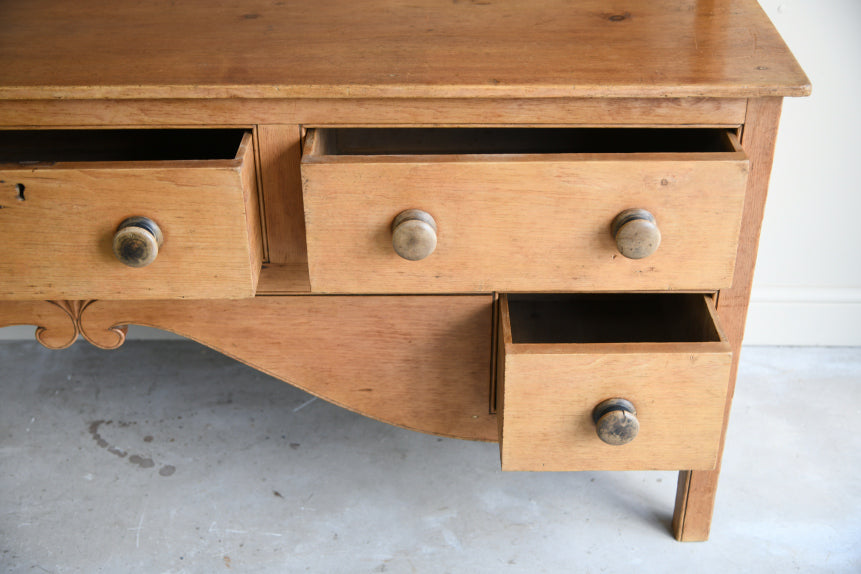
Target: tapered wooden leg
696, 490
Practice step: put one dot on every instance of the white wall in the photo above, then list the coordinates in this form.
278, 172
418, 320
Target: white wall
807, 287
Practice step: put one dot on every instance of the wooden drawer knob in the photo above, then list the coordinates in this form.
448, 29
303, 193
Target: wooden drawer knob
137, 241
414, 234
616, 421
636, 233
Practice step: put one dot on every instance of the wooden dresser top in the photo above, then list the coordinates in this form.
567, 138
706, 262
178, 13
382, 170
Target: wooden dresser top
90, 49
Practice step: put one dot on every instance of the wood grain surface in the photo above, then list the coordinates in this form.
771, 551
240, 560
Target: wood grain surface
280, 151
548, 392
522, 222
697, 489
422, 363
56, 322
425, 48
374, 112
55, 243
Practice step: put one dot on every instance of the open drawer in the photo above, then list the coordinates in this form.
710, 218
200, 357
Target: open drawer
522, 209
563, 357
178, 207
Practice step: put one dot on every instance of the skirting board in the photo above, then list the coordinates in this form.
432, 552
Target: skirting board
806, 316
795, 316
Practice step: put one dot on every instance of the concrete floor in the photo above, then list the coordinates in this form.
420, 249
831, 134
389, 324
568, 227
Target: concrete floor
167, 457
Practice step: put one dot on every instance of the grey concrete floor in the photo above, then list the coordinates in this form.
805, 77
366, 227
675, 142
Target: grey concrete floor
168, 457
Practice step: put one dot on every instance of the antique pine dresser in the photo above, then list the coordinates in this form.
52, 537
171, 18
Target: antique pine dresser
527, 222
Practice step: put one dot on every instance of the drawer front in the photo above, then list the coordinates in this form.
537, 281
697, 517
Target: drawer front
59, 219
526, 222
548, 393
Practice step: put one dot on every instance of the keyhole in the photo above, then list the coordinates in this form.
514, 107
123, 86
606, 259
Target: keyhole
19, 187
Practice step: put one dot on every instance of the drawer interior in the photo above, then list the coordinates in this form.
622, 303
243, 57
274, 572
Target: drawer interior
455, 141
611, 318
17, 146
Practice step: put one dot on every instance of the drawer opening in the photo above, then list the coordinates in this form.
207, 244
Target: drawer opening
611, 318
20, 146
456, 141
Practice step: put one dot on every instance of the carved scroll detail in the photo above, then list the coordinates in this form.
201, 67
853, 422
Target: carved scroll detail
55, 321
102, 335
58, 323
61, 334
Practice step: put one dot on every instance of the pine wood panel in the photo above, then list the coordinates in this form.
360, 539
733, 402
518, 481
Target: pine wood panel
56, 243
56, 321
363, 111
548, 392
696, 491
283, 279
251, 207
280, 152
334, 63
424, 48
422, 362
521, 222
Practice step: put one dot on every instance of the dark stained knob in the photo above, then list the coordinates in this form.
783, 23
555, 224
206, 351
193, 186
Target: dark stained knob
137, 241
616, 421
414, 234
636, 233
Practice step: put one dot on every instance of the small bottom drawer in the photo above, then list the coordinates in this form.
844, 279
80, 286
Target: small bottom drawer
663, 356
